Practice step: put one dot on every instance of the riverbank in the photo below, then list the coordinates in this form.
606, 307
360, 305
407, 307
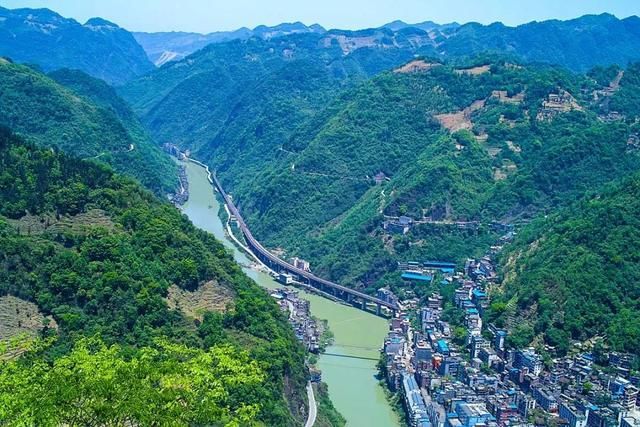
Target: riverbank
352, 384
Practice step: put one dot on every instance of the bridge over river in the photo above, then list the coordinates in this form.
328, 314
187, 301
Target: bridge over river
351, 296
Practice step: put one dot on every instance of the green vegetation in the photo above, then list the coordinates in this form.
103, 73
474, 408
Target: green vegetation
167, 384
107, 280
304, 179
575, 274
328, 416
98, 47
298, 138
84, 118
317, 198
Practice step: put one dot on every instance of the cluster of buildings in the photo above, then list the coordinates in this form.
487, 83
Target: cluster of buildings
474, 379
305, 327
174, 150
400, 225
424, 272
557, 103
181, 194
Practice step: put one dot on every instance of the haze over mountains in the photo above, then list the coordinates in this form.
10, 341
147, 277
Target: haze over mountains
578, 44
98, 47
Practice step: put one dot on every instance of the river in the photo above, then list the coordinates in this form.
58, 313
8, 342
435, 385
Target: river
353, 387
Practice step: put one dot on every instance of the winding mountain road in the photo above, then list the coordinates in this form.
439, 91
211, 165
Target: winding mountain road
313, 409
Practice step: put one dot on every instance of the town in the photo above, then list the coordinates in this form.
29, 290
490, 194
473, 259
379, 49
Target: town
453, 379
305, 327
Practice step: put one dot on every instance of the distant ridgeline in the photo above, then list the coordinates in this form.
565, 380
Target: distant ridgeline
138, 315
99, 47
578, 44
84, 117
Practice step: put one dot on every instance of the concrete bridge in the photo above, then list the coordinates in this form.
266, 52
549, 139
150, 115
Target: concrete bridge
351, 296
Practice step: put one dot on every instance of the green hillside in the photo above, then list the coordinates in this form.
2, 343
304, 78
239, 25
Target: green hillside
575, 274
98, 257
314, 195
84, 117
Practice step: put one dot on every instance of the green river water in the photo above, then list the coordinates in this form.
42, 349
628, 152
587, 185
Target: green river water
352, 385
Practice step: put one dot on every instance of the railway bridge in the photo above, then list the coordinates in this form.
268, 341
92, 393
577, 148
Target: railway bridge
358, 299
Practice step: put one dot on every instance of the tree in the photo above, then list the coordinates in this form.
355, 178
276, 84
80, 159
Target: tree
165, 384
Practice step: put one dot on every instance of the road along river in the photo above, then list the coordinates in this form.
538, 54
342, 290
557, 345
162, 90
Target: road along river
353, 387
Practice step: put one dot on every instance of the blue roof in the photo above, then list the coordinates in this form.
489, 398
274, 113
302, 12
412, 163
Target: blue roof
472, 310
440, 264
448, 270
479, 293
442, 345
416, 276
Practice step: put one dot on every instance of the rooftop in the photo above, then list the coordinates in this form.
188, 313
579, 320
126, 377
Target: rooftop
417, 276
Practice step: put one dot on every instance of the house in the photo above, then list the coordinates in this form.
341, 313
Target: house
470, 415
410, 276
402, 225
528, 359
442, 266
379, 178
414, 403
300, 264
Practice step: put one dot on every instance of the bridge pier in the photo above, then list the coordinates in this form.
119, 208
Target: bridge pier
364, 304
378, 309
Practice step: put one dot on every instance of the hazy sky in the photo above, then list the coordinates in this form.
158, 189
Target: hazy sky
215, 15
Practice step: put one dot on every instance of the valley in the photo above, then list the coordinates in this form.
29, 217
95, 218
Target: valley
351, 381
426, 225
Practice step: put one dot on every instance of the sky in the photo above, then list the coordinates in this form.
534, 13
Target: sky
205, 16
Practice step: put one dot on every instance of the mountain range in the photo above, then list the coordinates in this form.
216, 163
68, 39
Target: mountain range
578, 44
164, 47
326, 140
98, 47
297, 133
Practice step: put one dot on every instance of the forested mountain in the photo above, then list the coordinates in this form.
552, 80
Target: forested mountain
298, 126
574, 275
481, 143
108, 269
578, 44
99, 47
84, 117
191, 101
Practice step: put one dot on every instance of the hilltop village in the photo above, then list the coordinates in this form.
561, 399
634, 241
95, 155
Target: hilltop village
461, 372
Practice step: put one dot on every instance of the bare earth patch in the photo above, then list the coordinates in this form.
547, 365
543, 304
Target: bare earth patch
350, 44
18, 317
460, 120
475, 71
416, 66
503, 96
38, 224
208, 297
